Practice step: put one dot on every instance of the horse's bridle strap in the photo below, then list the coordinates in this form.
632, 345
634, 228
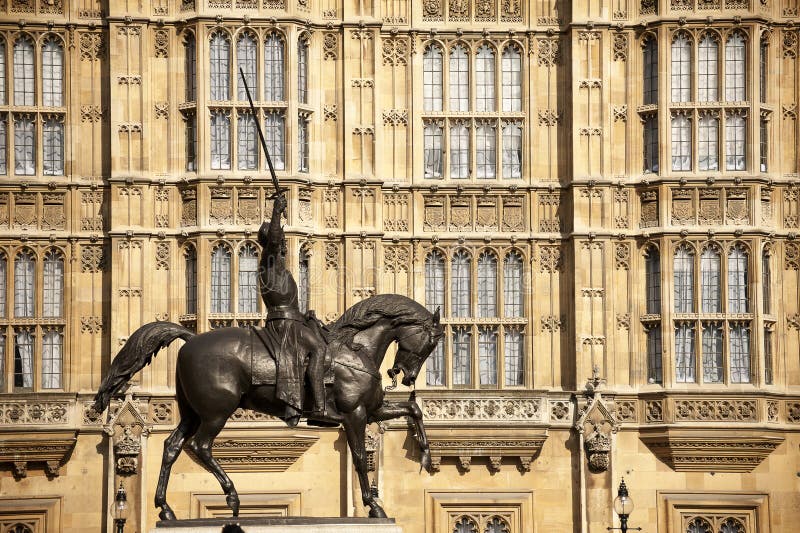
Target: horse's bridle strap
360, 369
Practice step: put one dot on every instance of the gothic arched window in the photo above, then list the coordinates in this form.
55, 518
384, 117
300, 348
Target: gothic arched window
653, 281
487, 355
247, 145
487, 285
52, 356
735, 55
53, 286
24, 284
220, 67
681, 143
220, 140
684, 280
460, 284
302, 70
246, 62
737, 281
2, 71
681, 68
512, 151
434, 282
53, 146
708, 141
190, 273
52, 73
710, 281
433, 150
650, 62
485, 79
459, 151
24, 76
190, 57
432, 78
512, 78
248, 279
684, 352
221, 280
513, 286
708, 69
486, 151
303, 282
273, 68
459, 79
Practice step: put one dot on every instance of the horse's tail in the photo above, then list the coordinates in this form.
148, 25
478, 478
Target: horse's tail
137, 353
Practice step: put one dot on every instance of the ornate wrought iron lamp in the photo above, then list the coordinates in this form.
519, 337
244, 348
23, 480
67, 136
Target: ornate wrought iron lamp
119, 509
623, 506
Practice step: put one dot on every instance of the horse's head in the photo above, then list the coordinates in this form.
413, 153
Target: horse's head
415, 342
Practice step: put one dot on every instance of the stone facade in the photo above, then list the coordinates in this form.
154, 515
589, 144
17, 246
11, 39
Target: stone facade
694, 399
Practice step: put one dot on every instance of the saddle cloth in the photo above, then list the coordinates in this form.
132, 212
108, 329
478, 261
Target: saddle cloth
263, 370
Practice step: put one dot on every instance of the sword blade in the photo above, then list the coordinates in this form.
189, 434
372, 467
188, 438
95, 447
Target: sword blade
260, 133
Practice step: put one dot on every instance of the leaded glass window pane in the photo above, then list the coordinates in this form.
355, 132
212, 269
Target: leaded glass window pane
190, 51
24, 146
221, 280
191, 142
484, 79
681, 143
708, 69
23, 359
3, 289
248, 279
303, 293
24, 76
246, 62
740, 353
52, 73
303, 144
434, 282
650, 62
653, 281
684, 353
2, 362
459, 79
513, 286
762, 71
220, 67
461, 284
247, 146
734, 68
3, 145
486, 151
654, 363
512, 79
767, 357
433, 150
710, 281
274, 135
708, 142
766, 283
487, 285
432, 78
191, 281
2, 71
712, 353
513, 357
53, 147
684, 281
53, 297
651, 143
459, 151
512, 151
273, 69
434, 365
302, 71
52, 344
220, 140
735, 136
487, 356
737, 281
462, 356
763, 146
681, 68
24, 283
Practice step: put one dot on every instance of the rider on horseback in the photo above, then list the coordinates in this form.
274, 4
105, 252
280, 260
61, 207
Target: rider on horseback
285, 323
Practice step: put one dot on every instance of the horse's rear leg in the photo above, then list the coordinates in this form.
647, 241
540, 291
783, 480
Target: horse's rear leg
201, 446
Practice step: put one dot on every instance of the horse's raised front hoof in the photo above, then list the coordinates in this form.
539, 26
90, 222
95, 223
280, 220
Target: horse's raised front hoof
166, 514
233, 503
425, 460
377, 512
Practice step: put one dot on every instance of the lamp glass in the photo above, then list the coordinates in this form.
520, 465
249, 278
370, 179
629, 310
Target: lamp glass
623, 505
119, 508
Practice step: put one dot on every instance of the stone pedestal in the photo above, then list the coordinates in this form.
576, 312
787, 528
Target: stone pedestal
252, 524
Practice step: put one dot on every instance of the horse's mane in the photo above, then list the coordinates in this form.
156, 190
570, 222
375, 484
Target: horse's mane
366, 313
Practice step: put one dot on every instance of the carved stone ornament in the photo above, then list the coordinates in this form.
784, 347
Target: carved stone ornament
126, 452
596, 424
486, 409
493, 445
241, 451
51, 448
127, 426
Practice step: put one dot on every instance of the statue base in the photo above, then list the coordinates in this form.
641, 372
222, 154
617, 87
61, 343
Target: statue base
294, 524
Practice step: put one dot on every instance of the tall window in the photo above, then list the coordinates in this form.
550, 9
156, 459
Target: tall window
683, 280
53, 147
740, 353
461, 284
434, 366
737, 280
248, 279
220, 67
684, 353
221, 280
484, 79
512, 151
246, 62
768, 364
487, 285
762, 69
459, 79
3, 289
23, 72
52, 343
710, 282
273, 68
712, 353
247, 148
3, 146
434, 299
303, 143
735, 136
24, 146
24, 283
302, 71
433, 150
190, 123
486, 151
432, 78
681, 143
764, 146
2, 73
487, 355
651, 143
708, 133
303, 282
52, 73
650, 62
708, 69
462, 356
735, 68
513, 286
653, 281
681, 68
654, 363
274, 135
512, 79
459, 151
190, 272
53, 297
766, 282
190, 52
514, 357
23, 358
220, 140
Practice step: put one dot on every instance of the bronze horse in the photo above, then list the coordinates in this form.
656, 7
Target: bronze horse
213, 379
